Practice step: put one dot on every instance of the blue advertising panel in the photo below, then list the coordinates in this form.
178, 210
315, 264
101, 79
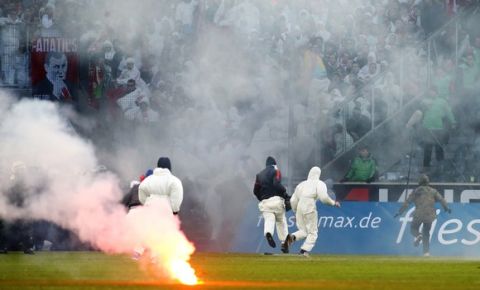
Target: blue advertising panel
394, 192
370, 228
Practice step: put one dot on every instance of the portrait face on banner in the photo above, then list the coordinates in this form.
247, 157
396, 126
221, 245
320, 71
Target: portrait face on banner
54, 69
55, 66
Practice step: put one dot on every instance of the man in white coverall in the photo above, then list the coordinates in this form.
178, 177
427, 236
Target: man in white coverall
273, 199
303, 203
162, 184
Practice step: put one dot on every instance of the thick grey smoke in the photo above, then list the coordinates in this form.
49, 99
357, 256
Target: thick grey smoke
50, 173
55, 167
238, 89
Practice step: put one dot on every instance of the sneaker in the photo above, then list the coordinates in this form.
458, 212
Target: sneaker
291, 239
284, 248
286, 245
304, 253
427, 254
288, 242
417, 240
270, 240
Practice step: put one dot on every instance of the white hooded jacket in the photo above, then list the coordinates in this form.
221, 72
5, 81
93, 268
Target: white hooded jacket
162, 184
309, 191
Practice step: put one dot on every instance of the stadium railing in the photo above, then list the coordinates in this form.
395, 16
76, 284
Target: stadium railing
431, 47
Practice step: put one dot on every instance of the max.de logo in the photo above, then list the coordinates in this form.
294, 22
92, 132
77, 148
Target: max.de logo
448, 232
339, 222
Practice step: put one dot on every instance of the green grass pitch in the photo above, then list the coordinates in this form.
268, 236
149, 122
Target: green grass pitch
92, 270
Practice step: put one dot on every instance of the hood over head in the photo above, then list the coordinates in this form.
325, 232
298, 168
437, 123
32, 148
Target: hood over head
423, 180
164, 162
314, 173
270, 161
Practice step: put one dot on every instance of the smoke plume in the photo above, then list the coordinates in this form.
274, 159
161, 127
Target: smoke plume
50, 173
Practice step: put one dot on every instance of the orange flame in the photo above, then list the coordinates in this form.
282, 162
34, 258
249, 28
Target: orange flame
183, 272
175, 256
175, 251
169, 248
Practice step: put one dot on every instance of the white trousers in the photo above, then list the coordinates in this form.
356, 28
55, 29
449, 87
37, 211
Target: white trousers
273, 211
307, 225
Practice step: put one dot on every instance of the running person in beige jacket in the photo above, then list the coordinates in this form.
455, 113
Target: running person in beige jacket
424, 197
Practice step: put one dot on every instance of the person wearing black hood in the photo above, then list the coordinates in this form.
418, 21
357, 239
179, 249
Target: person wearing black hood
424, 198
273, 200
162, 184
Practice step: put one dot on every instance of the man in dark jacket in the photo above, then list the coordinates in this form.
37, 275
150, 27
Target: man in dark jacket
424, 198
131, 200
272, 197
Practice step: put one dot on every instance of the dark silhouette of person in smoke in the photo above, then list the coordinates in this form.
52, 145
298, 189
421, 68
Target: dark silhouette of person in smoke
17, 234
3, 238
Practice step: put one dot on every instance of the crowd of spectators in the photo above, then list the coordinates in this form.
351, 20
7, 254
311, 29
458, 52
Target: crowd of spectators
337, 68
140, 67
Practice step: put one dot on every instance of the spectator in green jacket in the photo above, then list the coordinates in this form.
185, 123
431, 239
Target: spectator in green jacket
470, 74
444, 79
437, 121
363, 167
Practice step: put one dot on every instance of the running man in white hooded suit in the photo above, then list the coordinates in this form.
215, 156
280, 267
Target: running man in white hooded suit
303, 203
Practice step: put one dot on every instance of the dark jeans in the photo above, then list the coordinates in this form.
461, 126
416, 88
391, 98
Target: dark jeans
415, 230
427, 153
433, 138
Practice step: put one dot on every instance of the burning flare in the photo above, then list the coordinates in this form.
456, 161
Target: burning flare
183, 272
169, 247
64, 197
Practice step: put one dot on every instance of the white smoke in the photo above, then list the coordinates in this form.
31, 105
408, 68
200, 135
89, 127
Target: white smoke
59, 184
235, 92
233, 85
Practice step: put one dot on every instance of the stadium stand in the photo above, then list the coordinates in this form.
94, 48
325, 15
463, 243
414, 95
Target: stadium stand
378, 62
